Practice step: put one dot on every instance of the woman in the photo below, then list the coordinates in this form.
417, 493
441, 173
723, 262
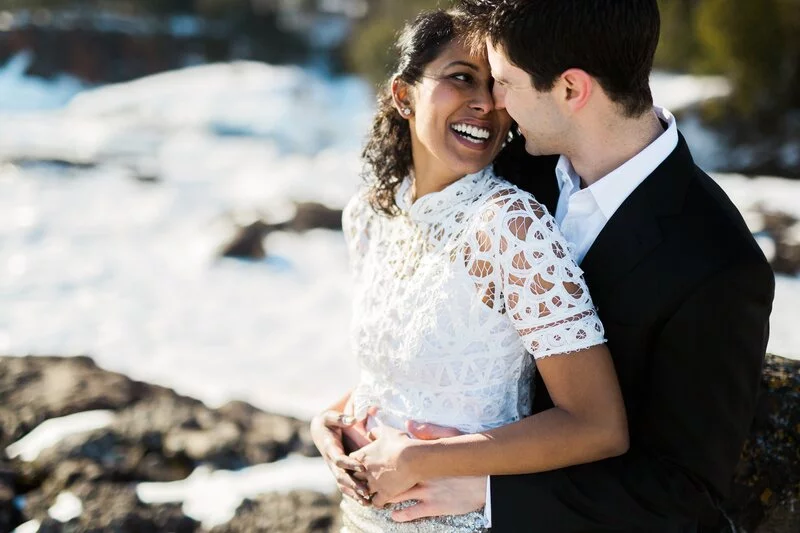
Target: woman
460, 278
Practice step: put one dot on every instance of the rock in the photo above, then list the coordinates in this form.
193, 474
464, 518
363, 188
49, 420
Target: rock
766, 491
34, 389
9, 516
114, 508
311, 215
268, 437
158, 436
784, 229
248, 243
101, 455
295, 512
248, 240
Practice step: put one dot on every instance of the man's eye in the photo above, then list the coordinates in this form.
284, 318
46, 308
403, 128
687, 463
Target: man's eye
461, 76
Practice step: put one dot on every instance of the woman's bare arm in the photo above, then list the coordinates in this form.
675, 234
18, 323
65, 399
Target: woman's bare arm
588, 423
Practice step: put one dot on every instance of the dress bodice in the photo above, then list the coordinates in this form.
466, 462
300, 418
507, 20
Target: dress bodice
455, 299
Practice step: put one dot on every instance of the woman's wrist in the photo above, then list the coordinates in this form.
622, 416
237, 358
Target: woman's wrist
417, 457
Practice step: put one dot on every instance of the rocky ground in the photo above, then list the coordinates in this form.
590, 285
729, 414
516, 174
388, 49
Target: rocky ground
158, 435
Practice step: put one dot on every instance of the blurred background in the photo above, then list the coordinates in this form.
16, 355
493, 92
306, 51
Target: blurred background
172, 174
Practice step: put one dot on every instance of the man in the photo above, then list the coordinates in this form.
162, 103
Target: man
683, 290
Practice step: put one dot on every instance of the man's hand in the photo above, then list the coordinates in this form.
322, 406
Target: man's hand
448, 496
328, 430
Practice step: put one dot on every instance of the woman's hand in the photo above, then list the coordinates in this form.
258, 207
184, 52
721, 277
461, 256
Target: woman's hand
388, 464
329, 430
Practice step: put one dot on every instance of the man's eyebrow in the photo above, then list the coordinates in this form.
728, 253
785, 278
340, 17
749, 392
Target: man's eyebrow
463, 64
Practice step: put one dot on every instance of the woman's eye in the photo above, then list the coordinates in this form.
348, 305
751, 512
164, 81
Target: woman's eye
462, 77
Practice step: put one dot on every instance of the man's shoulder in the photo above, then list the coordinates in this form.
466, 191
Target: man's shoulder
718, 219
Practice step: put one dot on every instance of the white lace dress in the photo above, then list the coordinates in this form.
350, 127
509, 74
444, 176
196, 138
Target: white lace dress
452, 297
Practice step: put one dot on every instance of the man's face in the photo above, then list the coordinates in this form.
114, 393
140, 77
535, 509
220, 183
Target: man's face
539, 118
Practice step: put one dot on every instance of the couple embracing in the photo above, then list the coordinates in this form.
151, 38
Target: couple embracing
559, 319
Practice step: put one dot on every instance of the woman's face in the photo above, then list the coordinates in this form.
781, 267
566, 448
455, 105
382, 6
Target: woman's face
455, 128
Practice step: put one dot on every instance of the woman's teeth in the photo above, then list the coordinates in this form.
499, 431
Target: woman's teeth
472, 133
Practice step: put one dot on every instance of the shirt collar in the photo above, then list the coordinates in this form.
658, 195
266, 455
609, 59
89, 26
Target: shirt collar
566, 175
612, 189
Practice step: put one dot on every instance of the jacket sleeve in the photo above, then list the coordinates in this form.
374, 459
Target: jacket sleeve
702, 377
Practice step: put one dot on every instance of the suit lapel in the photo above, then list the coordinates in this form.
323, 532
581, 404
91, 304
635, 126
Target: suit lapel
634, 230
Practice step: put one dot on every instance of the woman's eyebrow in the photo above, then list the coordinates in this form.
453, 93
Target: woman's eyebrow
464, 64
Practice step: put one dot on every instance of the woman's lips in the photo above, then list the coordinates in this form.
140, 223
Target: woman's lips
472, 136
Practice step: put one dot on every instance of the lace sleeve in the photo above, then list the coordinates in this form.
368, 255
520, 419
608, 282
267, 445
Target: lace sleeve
542, 289
355, 226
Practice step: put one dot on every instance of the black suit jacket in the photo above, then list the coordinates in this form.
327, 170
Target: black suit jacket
685, 295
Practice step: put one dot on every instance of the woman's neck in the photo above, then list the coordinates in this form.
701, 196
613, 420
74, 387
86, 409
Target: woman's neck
430, 176
426, 184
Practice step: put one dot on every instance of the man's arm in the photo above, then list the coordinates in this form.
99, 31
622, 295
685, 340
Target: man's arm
702, 384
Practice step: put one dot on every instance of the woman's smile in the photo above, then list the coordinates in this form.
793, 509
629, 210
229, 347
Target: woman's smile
475, 135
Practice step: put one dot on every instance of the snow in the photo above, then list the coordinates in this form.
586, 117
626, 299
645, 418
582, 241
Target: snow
678, 91
54, 430
22, 93
212, 497
66, 507
28, 527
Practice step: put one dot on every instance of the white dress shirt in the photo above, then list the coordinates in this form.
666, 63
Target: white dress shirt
582, 213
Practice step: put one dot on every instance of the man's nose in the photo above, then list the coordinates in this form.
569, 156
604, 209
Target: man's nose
499, 96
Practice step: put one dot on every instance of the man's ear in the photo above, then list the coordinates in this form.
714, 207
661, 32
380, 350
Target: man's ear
401, 98
576, 87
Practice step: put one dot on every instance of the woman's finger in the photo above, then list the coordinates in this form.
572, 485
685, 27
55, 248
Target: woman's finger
336, 419
350, 487
360, 476
352, 494
347, 463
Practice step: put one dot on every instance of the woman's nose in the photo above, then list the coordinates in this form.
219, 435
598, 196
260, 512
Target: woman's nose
483, 101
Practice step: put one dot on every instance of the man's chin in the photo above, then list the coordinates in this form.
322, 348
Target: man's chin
532, 149
537, 149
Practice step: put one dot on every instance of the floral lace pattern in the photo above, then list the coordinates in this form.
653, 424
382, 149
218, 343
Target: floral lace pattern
454, 296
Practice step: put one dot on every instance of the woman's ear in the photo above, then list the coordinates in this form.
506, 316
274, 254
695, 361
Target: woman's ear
401, 98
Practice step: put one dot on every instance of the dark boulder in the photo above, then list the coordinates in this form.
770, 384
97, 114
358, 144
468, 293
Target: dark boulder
294, 512
312, 215
248, 242
115, 508
34, 389
784, 231
766, 492
9, 516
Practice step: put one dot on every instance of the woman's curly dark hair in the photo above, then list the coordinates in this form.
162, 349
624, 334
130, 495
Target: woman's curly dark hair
387, 154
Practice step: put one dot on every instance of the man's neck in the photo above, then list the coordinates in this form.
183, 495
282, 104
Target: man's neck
609, 145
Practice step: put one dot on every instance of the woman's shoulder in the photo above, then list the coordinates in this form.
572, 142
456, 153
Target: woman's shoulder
506, 199
357, 215
358, 207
